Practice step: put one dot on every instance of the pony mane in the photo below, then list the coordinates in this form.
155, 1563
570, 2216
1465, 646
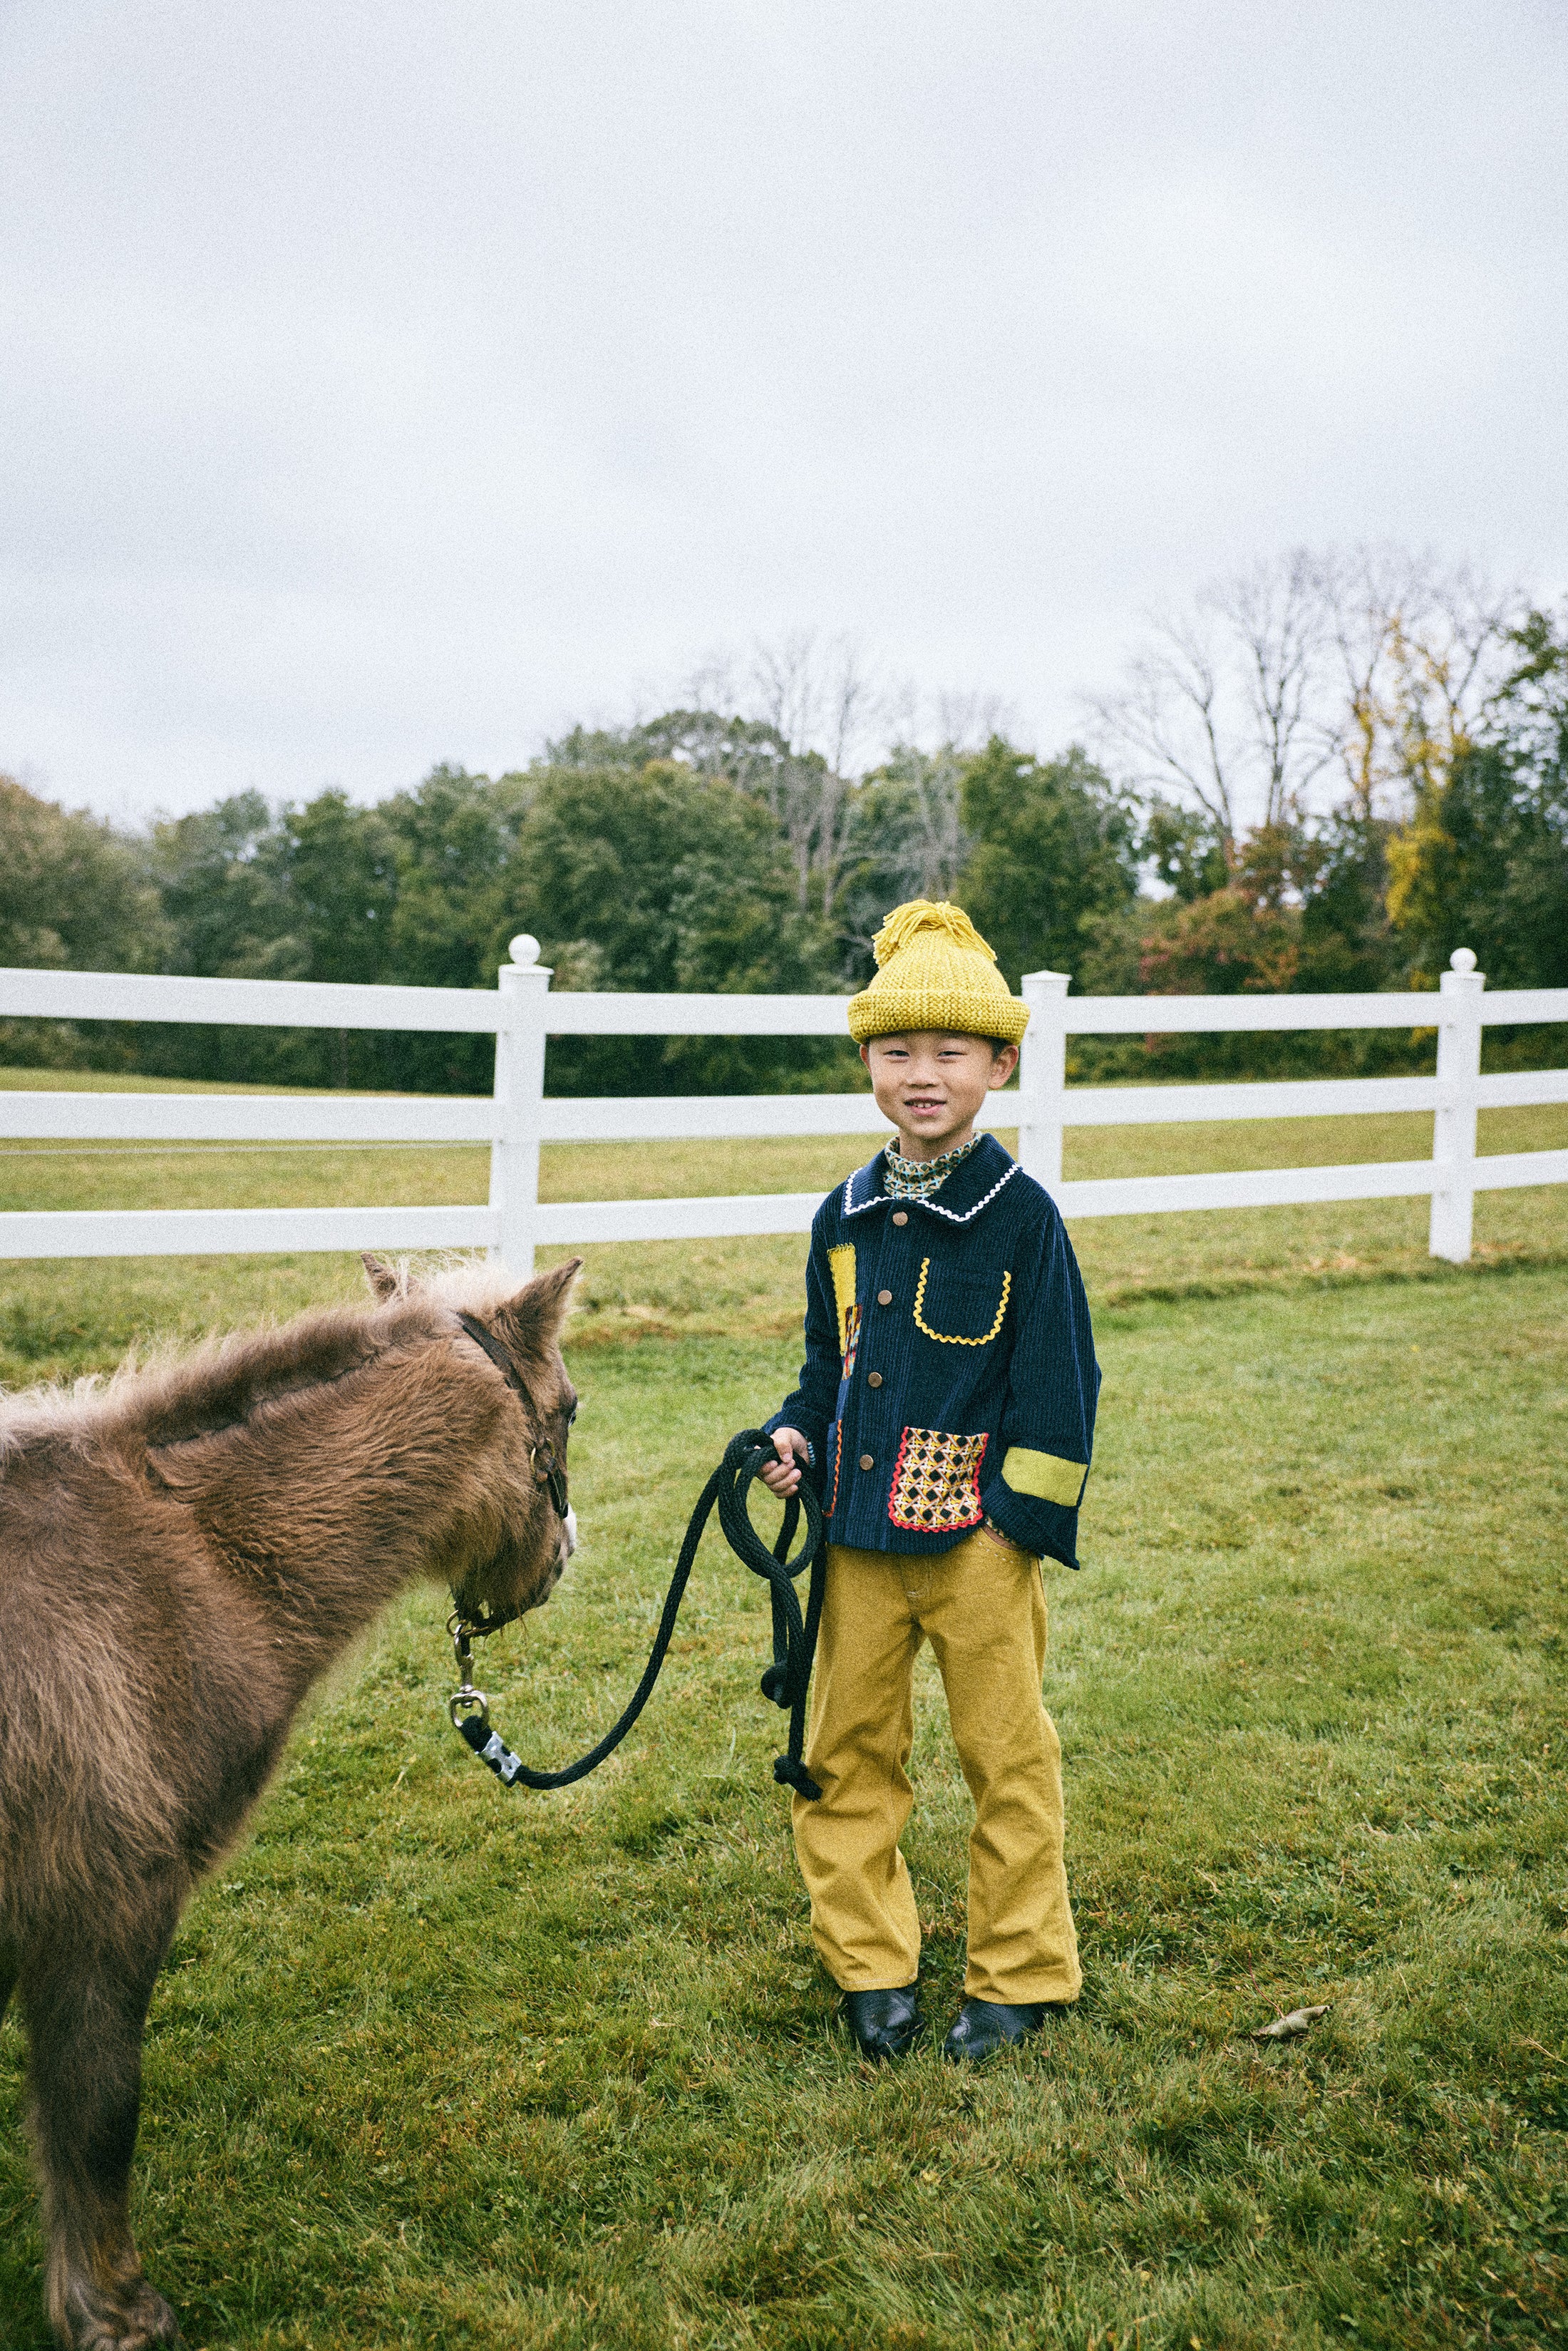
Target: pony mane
177, 1393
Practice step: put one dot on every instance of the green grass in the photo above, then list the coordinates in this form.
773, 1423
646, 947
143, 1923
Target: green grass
434, 2064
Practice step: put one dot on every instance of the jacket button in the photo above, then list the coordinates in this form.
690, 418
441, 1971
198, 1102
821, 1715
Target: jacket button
874, 1379
901, 1216
868, 1462
884, 1298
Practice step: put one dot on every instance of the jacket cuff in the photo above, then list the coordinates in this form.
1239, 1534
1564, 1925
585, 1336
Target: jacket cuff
1047, 1528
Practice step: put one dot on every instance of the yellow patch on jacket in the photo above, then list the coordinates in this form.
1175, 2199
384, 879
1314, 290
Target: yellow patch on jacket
1045, 1474
842, 1262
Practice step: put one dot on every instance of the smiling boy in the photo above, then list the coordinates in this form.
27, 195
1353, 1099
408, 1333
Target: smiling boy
946, 1412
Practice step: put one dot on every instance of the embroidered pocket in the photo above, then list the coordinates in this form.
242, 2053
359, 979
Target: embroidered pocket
936, 1481
981, 1338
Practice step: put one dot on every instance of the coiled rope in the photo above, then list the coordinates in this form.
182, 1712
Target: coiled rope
785, 1681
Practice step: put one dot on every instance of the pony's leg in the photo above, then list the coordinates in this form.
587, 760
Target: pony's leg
86, 2006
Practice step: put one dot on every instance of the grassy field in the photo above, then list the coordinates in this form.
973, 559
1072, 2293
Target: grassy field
434, 2064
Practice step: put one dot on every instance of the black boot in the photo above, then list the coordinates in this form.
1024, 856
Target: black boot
985, 2026
885, 2024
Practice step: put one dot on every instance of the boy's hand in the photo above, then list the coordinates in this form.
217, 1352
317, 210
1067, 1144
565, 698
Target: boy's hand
783, 1476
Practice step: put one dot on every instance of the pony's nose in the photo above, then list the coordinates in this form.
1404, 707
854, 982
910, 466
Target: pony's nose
569, 1532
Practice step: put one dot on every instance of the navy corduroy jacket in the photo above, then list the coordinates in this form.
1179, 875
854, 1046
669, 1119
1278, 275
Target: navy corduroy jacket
949, 1372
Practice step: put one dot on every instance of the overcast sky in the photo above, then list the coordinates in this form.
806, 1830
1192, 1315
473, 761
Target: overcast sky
388, 383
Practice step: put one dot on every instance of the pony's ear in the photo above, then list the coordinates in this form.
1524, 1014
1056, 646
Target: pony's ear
538, 1309
384, 1281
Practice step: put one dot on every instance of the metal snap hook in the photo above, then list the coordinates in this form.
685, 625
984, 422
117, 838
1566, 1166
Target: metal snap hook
468, 1700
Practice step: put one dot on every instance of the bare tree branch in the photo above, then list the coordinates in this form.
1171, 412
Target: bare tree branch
1375, 662
822, 700
1420, 651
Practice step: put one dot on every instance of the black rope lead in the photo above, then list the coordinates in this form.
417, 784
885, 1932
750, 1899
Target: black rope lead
785, 1680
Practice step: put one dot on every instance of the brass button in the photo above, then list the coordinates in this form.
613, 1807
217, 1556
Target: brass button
874, 1379
868, 1462
884, 1298
901, 1216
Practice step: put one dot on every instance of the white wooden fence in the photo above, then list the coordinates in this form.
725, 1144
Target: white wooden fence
518, 1117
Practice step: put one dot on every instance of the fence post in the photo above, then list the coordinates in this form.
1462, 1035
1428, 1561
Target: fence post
1042, 1077
524, 984
1458, 1094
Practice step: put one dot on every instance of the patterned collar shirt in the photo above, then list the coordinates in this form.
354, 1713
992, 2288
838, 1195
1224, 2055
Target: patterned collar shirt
916, 1179
949, 1376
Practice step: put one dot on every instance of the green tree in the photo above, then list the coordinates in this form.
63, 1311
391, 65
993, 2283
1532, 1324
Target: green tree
453, 839
1055, 847
74, 896
339, 868
221, 878
664, 879
1185, 847
1347, 941
1483, 862
904, 838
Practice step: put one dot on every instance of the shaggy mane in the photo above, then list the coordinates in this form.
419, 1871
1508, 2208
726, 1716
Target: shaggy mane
174, 1394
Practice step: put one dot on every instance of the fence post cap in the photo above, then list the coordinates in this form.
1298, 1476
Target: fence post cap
525, 948
1462, 958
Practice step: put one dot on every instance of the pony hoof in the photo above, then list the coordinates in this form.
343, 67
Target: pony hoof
141, 2321
152, 2320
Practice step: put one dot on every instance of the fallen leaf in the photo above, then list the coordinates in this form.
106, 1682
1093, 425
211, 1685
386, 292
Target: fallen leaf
1286, 2028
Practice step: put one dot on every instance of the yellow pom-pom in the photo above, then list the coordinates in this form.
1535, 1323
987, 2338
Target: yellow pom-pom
926, 915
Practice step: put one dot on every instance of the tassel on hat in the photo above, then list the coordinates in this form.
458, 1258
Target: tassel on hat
935, 971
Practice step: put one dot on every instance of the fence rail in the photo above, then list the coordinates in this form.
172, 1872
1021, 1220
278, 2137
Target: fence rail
516, 1118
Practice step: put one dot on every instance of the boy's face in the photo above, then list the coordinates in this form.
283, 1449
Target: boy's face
930, 1085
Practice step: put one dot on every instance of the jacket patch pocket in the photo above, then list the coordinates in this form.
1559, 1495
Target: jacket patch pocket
936, 1481
977, 1312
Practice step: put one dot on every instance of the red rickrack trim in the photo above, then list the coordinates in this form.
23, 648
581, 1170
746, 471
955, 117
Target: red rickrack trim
947, 1525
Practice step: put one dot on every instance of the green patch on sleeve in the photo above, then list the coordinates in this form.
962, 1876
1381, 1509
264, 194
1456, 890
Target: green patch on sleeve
1046, 1475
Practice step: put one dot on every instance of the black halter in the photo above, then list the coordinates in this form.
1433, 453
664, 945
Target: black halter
547, 1470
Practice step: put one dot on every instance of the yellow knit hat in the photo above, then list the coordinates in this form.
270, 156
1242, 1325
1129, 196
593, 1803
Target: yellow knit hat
935, 971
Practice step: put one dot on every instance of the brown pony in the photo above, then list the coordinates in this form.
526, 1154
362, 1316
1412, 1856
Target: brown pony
182, 1552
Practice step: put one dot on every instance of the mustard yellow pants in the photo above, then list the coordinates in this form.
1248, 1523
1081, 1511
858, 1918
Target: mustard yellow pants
982, 1608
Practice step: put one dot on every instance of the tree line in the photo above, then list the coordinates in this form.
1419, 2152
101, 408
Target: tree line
1325, 775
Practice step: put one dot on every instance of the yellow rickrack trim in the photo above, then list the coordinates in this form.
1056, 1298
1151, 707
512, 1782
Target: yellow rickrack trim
950, 1338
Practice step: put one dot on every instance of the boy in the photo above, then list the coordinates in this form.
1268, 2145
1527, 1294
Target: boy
945, 1411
